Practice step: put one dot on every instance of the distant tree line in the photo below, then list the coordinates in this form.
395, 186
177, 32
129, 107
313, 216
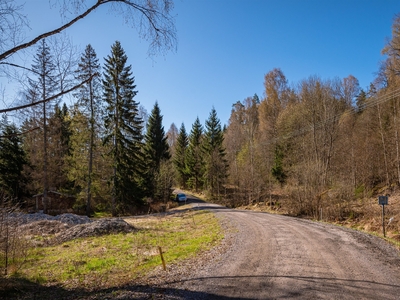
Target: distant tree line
199, 157
320, 142
100, 150
88, 149
97, 149
323, 143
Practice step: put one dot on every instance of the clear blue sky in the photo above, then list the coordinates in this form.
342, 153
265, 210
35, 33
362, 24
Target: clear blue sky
225, 47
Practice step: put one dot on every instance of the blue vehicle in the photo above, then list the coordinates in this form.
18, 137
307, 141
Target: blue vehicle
180, 197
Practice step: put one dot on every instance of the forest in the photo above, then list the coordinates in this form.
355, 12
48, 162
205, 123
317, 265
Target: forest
318, 143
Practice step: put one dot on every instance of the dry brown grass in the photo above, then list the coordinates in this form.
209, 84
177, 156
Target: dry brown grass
362, 214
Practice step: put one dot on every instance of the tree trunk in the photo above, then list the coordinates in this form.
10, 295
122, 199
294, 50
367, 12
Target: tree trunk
45, 180
90, 168
383, 144
396, 130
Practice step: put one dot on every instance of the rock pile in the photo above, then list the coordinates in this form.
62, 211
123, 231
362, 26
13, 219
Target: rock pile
43, 227
69, 219
66, 227
96, 228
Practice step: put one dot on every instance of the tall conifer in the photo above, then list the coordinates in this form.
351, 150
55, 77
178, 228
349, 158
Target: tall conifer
123, 129
89, 99
156, 148
195, 159
41, 88
180, 157
214, 155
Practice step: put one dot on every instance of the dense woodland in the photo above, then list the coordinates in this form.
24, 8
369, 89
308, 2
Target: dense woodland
101, 150
320, 142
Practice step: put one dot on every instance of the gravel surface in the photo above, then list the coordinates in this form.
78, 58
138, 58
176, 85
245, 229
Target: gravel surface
268, 256
95, 228
278, 257
69, 219
66, 227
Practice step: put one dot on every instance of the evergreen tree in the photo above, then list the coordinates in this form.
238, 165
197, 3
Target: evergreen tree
180, 156
123, 129
361, 100
214, 155
79, 142
156, 149
42, 88
78, 163
89, 100
277, 169
58, 148
195, 160
12, 162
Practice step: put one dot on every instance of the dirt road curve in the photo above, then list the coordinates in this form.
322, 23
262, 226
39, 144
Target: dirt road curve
278, 257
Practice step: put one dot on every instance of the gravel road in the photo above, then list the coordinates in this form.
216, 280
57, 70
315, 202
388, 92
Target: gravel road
278, 257
267, 256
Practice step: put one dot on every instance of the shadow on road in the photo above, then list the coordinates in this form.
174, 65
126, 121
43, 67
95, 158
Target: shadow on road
30, 290
305, 287
296, 287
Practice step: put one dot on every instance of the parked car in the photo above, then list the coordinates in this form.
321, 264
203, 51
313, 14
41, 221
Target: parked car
181, 197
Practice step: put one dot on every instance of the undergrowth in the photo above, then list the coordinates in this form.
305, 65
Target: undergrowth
117, 259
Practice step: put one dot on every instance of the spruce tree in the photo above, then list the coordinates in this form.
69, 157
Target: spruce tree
214, 155
123, 130
277, 169
58, 148
180, 156
12, 162
156, 149
89, 100
41, 88
195, 160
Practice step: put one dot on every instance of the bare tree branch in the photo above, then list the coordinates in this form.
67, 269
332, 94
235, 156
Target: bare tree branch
50, 33
151, 10
50, 98
18, 134
18, 66
151, 18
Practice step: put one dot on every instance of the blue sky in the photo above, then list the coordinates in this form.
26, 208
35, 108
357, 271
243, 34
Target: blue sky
225, 47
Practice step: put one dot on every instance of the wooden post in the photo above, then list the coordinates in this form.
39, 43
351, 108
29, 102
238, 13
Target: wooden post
383, 200
162, 258
383, 220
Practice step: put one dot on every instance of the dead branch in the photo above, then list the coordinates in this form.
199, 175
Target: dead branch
50, 98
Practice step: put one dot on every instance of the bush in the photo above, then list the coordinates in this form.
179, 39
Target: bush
13, 246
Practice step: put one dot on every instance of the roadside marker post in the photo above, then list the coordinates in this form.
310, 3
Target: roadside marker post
383, 200
162, 258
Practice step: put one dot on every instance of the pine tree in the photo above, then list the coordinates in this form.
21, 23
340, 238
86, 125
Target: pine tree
12, 162
214, 155
42, 88
180, 156
123, 130
195, 160
156, 149
89, 100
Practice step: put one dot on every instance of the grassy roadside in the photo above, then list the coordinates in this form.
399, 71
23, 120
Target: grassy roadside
118, 259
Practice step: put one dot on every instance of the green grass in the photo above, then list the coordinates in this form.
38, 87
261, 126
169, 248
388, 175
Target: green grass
116, 259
